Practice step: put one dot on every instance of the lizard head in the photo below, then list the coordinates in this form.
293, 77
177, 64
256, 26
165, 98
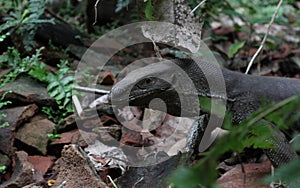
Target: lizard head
156, 86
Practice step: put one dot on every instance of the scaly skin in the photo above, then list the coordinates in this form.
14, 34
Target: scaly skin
244, 93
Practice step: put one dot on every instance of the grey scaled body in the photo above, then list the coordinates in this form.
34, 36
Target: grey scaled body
244, 93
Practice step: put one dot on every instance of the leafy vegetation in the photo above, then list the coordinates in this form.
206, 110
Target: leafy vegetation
23, 21
234, 48
2, 104
237, 140
3, 124
2, 169
12, 59
60, 87
248, 13
149, 10
54, 135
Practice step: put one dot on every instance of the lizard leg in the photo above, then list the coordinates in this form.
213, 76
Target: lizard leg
282, 152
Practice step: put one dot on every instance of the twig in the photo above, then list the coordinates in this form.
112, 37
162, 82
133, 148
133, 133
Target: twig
112, 181
62, 184
156, 49
200, 4
91, 90
77, 105
243, 169
265, 37
55, 16
96, 11
138, 181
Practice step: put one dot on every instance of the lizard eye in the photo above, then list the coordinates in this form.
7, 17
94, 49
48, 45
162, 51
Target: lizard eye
148, 80
145, 83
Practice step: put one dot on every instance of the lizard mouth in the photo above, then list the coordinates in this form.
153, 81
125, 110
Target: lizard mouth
135, 98
134, 95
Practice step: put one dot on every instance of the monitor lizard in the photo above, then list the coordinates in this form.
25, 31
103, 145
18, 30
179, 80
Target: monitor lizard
244, 93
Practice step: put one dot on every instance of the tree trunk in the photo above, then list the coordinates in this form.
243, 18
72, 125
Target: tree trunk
186, 31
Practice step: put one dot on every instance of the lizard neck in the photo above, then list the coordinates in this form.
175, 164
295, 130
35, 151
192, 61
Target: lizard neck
209, 79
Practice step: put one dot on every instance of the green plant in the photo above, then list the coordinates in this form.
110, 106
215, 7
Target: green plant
234, 48
239, 139
12, 58
2, 169
6, 6
249, 14
38, 71
60, 88
4, 103
149, 10
54, 135
56, 117
60, 84
24, 23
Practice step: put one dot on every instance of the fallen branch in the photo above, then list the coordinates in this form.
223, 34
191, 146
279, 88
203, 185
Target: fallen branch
96, 11
265, 37
77, 105
91, 90
200, 4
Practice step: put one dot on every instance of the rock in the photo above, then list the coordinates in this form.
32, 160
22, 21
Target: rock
68, 124
76, 170
80, 138
34, 134
15, 117
41, 163
38, 116
154, 175
253, 174
289, 66
107, 78
27, 90
61, 33
5, 161
23, 173
101, 156
4, 72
